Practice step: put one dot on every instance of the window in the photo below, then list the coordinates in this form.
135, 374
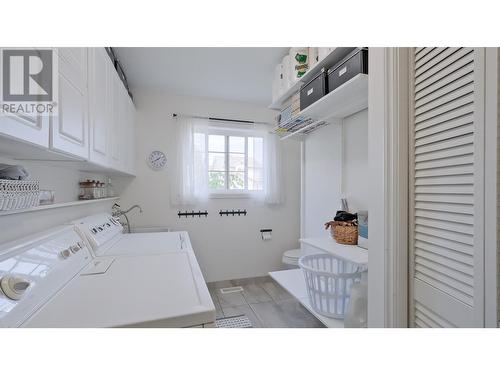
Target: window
218, 159
234, 162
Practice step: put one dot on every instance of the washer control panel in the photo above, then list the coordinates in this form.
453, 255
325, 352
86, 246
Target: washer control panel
33, 269
99, 229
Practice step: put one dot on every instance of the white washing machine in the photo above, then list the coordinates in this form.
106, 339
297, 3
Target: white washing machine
51, 280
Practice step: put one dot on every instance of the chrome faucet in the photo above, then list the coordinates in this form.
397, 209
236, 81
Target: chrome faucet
117, 212
131, 208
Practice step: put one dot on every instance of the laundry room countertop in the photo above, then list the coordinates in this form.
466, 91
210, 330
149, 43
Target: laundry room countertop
351, 253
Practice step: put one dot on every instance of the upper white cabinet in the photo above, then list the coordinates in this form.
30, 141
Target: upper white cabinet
30, 128
69, 130
94, 119
117, 134
131, 136
100, 70
121, 140
27, 128
111, 115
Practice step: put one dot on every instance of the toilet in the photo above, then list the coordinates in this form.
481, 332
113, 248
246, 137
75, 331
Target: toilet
291, 258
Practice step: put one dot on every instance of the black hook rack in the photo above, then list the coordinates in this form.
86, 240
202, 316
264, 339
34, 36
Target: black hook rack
233, 212
193, 213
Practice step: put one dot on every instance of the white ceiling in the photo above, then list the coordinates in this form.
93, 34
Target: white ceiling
241, 74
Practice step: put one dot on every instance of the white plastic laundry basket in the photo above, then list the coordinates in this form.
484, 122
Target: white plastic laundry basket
329, 281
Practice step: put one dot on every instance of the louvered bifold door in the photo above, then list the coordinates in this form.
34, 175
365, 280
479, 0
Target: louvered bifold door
446, 187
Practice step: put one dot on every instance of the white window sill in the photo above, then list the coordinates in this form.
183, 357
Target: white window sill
224, 195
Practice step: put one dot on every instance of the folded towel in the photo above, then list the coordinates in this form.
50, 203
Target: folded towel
13, 172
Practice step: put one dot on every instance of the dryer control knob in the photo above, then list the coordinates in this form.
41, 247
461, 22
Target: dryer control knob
74, 248
14, 287
65, 253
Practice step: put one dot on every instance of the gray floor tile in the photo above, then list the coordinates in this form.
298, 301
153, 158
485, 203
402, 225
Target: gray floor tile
285, 314
254, 293
231, 299
220, 284
263, 301
215, 299
250, 280
276, 292
239, 310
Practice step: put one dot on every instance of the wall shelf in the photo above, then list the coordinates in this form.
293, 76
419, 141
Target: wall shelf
342, 102
333, 58
57, 205
350, 253
293, 282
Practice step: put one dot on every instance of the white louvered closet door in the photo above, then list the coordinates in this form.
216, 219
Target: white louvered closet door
447, 188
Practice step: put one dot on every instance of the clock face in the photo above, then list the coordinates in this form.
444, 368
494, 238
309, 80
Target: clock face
157, 160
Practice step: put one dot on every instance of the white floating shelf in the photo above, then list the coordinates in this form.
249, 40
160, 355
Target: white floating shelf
350, 253
333, 58
293, 282
58, 205
342, 102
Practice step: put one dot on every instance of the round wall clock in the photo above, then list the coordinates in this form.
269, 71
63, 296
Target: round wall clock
157, 160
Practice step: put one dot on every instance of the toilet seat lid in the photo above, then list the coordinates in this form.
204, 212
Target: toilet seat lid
291, 256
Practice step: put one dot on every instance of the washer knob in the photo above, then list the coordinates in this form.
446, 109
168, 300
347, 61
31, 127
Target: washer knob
14, 287
74, 248
65, 253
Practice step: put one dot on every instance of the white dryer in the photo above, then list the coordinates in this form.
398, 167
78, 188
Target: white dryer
105, 236
51, 280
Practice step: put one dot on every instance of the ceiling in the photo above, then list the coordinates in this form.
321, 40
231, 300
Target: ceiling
241, 74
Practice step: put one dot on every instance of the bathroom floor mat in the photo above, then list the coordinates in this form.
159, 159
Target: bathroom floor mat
239, 321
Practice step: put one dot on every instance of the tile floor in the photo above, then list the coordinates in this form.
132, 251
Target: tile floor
264, 302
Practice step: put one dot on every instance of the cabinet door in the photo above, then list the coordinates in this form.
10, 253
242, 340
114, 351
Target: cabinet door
31, 129
69, 130
131, 136
26, 127
117, 137
100, 114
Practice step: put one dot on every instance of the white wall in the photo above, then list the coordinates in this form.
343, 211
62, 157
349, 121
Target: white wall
63, 179
356, 179
322, 173
333, 170
226, 247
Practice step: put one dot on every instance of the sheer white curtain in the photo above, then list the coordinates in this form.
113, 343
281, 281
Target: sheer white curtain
189, 184
273, 189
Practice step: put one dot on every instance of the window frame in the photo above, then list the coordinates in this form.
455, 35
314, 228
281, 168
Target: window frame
227, 192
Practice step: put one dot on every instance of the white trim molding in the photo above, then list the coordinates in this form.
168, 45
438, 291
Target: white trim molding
388, 119
491, 187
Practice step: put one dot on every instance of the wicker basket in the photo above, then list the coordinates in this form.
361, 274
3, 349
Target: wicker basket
17, 194
344, 232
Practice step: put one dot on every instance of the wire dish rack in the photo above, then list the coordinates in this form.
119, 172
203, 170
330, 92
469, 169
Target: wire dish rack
19, 194
298, 125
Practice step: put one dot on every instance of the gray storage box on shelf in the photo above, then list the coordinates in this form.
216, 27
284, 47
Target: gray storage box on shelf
19, 194
313, 90
354, 64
